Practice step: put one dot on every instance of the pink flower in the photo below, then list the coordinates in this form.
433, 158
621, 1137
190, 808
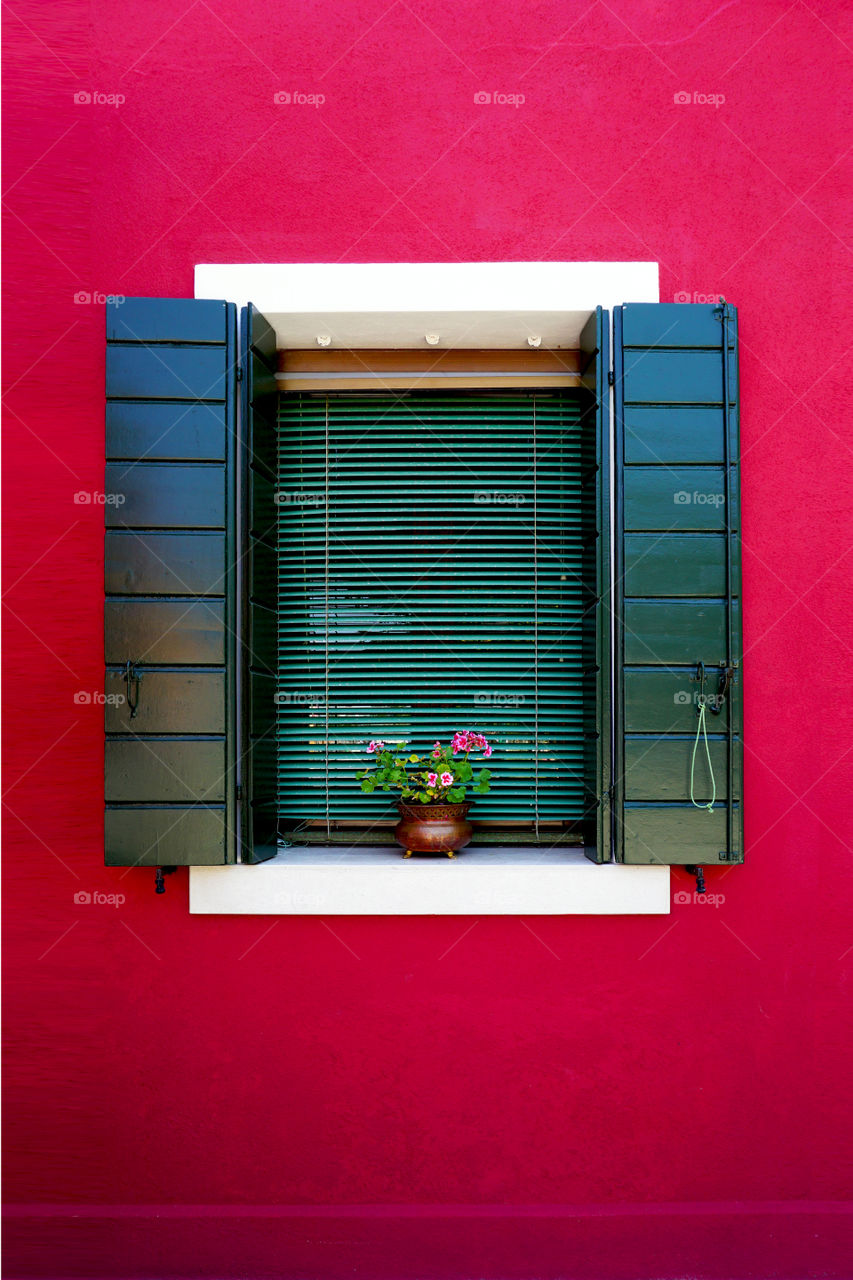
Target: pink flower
446, 779
375, 746
436, 752
487, 751
432, 779
469, 740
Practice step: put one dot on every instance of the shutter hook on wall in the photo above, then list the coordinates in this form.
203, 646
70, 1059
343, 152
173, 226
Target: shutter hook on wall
159, 882
132, 677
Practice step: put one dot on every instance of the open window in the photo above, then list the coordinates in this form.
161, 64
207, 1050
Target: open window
310, 554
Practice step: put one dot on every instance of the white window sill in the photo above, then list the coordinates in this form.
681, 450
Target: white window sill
506, 881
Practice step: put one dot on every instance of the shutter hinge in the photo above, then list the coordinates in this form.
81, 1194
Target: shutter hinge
239, 373
611, 378
239, 793
729, 855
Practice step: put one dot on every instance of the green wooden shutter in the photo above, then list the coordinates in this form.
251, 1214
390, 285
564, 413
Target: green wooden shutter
678, 581
431, 571
169, 578
595, 506
259, 579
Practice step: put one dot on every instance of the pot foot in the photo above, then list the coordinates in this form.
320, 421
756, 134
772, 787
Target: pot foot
408, 853
450, 853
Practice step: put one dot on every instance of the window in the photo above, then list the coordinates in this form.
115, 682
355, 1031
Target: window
195, 609
431, 577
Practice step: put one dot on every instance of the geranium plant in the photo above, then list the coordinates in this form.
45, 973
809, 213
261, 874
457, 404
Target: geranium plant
441, 777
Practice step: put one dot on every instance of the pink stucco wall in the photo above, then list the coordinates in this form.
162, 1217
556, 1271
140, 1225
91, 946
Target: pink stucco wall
646, 1096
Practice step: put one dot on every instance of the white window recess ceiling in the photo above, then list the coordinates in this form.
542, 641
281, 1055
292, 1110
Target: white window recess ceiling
411, 306
473, 305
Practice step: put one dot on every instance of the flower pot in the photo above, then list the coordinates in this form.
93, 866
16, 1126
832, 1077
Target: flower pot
433, 828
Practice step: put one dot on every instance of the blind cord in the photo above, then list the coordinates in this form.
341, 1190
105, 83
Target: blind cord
535, 626
326, 623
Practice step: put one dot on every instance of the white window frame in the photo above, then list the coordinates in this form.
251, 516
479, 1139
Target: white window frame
384, 305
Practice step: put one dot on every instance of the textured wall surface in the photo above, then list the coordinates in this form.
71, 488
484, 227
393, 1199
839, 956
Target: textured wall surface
689, 1069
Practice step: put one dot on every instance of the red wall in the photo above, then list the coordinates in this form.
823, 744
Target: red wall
695, 1064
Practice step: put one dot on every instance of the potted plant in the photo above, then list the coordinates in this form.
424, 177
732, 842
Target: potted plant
432, 806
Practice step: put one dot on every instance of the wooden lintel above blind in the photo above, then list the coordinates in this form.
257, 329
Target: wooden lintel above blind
400, 370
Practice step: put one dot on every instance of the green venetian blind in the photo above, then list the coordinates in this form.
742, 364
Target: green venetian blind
430, 580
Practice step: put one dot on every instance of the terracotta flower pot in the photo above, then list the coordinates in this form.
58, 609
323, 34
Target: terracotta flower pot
433, 828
